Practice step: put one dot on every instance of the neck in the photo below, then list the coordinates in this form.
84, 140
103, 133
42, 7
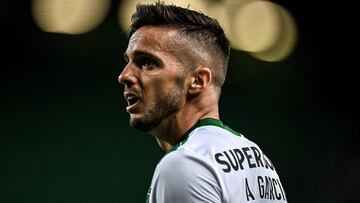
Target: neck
171, 130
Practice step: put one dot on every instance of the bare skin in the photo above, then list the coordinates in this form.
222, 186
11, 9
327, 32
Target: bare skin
163, 100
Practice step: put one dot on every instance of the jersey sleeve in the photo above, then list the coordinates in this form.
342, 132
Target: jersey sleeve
182, 176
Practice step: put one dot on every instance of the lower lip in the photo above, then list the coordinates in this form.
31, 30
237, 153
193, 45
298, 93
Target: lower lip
131, 107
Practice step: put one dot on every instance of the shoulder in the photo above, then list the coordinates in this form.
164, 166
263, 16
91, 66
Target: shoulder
181, 161
182, 175
209, 135
207, 140
194, 151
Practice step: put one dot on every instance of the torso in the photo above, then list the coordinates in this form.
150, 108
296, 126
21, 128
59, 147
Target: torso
221, 163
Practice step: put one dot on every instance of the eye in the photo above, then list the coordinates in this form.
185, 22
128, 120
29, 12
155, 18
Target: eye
146, 63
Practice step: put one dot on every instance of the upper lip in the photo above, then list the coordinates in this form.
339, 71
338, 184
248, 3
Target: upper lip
130, 95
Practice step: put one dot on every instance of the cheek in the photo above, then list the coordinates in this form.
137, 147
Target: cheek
158, 85
156, 88
160, 88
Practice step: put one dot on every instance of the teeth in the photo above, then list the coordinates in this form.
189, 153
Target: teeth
130, 97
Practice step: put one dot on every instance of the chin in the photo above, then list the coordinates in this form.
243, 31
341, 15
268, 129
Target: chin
135, 120
142, 123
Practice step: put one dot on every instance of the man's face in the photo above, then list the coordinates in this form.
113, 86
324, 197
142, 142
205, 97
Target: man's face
153, 77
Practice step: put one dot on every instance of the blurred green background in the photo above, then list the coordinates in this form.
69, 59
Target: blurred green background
64, 134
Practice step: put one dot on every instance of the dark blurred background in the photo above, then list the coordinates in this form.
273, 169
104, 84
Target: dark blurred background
64, 134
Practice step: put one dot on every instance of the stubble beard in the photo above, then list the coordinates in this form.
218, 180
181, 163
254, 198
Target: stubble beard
161, 109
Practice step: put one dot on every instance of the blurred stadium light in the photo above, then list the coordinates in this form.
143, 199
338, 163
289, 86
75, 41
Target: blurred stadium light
255, 26
285, 41
262, 28
126, 9
69, 16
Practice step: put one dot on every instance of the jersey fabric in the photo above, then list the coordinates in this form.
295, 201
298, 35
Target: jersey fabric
214, 164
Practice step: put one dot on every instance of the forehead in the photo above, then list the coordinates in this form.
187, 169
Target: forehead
153, 39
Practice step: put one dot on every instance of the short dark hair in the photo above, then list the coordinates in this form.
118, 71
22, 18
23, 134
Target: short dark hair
196, 26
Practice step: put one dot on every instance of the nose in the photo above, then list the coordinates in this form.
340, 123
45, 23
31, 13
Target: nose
127, 76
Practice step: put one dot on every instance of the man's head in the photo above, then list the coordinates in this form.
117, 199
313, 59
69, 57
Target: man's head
207, 41
172, 52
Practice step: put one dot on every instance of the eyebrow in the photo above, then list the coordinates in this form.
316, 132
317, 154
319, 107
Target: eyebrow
141, 53
138, 53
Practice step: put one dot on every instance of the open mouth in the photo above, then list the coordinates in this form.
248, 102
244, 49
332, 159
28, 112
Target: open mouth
132, 100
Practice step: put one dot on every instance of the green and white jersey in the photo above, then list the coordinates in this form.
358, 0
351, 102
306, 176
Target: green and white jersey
215, 164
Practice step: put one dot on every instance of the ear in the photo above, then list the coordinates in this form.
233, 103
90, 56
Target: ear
201, 79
